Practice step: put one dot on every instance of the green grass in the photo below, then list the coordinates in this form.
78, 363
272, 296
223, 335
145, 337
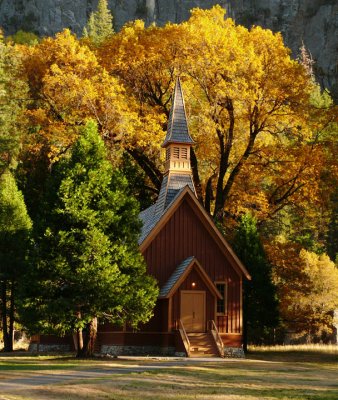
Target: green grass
273, 374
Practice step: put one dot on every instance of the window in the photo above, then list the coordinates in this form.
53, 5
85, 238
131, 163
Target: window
222, 303
184, 153
176, 152
167, 157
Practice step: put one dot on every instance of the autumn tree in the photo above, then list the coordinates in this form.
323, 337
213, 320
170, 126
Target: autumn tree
100, 24
146, 61
13, 100
247, 104
307, 285
15, 227
88, 265
310, 223
260, 304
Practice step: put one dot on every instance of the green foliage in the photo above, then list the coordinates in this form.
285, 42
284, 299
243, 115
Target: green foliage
332, 236
137, 182
87, 262
260, 304
15, 226
22, 37
100, 24
13, 93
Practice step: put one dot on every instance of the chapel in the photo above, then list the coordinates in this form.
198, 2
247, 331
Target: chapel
199, 309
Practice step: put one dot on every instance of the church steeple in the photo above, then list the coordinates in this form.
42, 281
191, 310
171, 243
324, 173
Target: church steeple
178, 141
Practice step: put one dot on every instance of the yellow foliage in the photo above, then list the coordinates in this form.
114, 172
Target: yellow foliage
307, 285
69, 86
247, 103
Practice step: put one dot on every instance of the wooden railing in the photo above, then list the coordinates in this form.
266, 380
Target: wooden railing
184, 337
215, 334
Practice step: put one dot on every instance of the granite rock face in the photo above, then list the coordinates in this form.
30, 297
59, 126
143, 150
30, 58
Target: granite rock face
313, 22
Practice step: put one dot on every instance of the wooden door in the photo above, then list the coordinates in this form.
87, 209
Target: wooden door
193, 310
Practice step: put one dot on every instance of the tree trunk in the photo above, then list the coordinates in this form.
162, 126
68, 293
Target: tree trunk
7, 320
89, 339
4, 310
195, 174
11, 319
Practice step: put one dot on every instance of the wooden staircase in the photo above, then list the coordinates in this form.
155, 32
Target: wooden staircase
202, 345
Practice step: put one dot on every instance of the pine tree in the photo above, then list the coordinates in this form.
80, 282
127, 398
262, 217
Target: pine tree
100, 24
88, 262
15, 226
260, 305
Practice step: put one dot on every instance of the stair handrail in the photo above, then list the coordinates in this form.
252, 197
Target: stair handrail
184, 337
217, 337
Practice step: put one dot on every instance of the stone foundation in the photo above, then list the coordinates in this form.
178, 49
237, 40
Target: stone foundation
119, 350
49, 348
234, 352
138, 350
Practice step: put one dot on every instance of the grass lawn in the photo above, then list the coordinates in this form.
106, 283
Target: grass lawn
300, 374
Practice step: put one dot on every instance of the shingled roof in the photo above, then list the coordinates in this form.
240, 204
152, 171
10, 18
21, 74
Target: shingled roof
181, 273
177, 130
171, 187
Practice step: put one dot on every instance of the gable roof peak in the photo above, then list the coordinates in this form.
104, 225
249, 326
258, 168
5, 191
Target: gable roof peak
177, 130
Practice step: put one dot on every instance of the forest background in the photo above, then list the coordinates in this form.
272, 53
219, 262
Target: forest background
264, 162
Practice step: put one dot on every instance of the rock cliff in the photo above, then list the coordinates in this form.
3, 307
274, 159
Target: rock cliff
314, 22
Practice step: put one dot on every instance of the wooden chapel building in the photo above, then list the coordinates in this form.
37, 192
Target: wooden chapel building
199, 307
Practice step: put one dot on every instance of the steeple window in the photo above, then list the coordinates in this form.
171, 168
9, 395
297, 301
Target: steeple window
176, 152
167, 154
184, 153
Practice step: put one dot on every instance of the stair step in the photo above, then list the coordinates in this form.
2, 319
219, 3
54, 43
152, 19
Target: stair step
202, 345
203, 348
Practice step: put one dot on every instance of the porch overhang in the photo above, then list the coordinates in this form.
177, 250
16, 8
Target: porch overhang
180, 274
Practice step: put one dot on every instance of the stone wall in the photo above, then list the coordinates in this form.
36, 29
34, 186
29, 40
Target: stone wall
49, 348
119, 350
234, 352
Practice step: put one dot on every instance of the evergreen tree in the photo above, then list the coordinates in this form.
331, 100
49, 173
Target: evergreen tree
88, 265
260, 305
100, 24
15, 226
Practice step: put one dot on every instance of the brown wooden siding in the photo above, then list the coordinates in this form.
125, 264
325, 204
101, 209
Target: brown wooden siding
185, 235
137, 339
54, 340
232, 340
